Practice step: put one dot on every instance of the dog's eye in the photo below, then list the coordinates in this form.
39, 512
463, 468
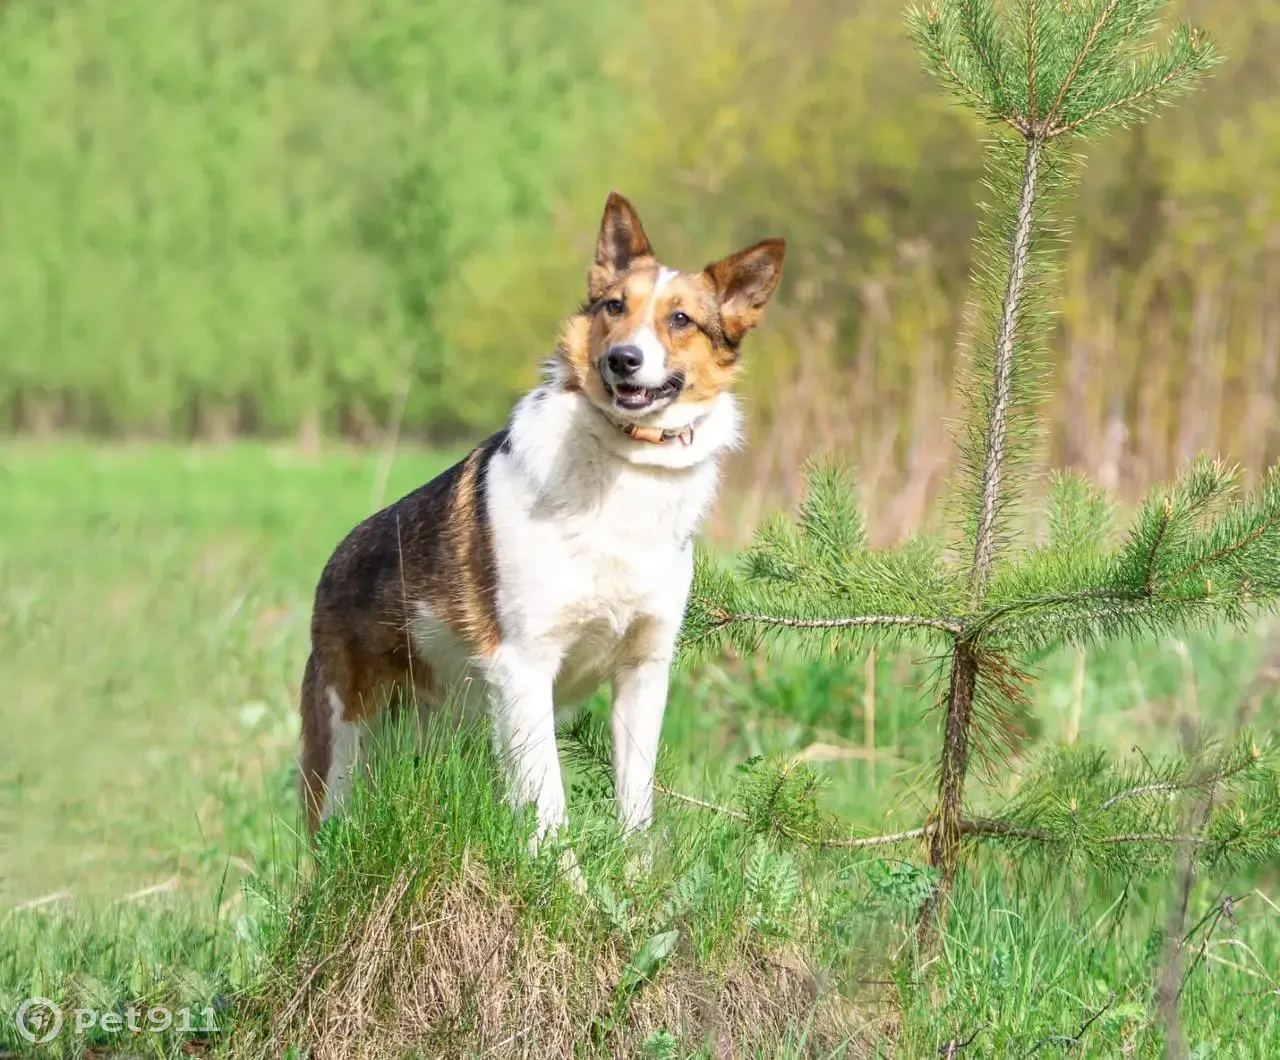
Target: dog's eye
614, 307
679, 319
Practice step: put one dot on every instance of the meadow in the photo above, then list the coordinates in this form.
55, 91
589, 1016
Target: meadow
154, 604
270, 267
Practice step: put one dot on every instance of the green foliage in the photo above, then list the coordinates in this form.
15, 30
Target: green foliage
900, 884
222, 219
1055, 985
1197, 551
660, 1045
773, 887
778, 796
651, 955
114, 960
797, 575
261, 216
688, 893
430, 821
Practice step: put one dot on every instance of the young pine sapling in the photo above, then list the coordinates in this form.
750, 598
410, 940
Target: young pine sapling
1044, 74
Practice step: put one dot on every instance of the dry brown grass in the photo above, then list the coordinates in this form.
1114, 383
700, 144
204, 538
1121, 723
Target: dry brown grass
1138, 385
454, 970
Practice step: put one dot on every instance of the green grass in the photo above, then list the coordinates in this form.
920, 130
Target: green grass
153, 619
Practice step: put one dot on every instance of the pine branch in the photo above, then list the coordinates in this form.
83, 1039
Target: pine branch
1081, 56
976, 827
1082, 627
1166, 575
1053, 628
777, 798
979, 32
700, 804
1033, 605
929, 33
1031, 61
1164, 787
866, 842
1190, 557
1154, 552
1137, 96
1229, 550
1171, 786
930, 30
724, 618
1164, 837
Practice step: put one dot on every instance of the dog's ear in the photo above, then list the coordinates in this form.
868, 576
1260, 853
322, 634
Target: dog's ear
744, 282
621, 242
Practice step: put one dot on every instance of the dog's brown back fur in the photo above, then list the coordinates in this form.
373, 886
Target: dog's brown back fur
433, 547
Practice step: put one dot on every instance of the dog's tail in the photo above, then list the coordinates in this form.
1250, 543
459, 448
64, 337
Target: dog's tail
317, 742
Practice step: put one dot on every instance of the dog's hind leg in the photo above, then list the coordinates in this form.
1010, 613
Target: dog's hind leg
331, 739
317, 742
344, 757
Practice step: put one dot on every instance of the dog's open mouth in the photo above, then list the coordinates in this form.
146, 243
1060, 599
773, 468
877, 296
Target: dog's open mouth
638, 398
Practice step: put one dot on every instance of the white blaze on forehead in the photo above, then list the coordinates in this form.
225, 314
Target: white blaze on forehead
653, 369
665, 276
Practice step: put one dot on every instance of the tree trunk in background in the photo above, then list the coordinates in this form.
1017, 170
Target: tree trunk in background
1152, 444
1261, 414
1202, 379
1109, 470
217, 422
1077, 440
309, 432
39, 416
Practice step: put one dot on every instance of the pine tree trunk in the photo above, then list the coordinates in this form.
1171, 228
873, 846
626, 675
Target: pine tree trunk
944, 840
944, 843
1002, 376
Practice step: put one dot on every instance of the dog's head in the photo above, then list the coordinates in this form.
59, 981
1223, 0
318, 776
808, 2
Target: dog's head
651, 339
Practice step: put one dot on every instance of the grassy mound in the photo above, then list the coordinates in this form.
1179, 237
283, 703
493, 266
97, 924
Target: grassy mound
428, 928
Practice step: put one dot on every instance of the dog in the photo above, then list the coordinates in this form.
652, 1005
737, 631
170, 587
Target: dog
558, 555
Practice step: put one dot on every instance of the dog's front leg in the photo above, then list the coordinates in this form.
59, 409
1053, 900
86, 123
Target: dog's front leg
524, 730
639, 699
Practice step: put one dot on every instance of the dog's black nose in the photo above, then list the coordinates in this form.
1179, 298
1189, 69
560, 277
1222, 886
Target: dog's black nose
624, 360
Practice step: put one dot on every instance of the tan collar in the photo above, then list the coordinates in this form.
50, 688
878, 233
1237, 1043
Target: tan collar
656, 435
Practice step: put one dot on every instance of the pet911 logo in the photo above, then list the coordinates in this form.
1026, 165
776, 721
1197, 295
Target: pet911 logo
39, 1020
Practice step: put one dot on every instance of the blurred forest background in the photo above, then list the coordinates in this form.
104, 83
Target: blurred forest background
325, 220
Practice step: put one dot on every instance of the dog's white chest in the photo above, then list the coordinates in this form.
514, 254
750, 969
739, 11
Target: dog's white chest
623, 578
595, 564
622, 562
602, 549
